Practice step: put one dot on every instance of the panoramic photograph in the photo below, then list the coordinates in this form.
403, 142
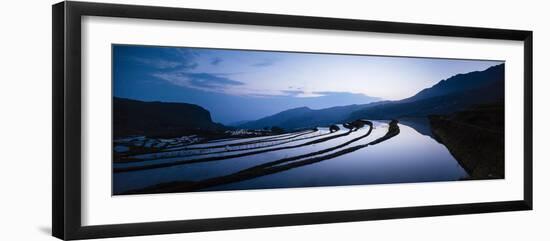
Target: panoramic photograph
189, 119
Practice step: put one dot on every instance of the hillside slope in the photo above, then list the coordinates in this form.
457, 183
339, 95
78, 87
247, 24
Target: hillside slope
448, 96
133, 117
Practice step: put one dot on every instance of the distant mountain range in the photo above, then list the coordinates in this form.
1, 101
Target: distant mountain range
133, 117
304, 117
447, 96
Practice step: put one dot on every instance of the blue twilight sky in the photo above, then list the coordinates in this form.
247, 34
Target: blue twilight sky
240, 85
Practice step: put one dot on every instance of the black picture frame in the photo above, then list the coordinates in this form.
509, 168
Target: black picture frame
66, 75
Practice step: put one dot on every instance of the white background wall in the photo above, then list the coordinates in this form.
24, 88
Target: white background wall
25, 122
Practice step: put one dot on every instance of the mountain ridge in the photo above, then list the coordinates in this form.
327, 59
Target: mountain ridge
448, 95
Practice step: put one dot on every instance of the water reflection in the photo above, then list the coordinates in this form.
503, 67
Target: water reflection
408, 157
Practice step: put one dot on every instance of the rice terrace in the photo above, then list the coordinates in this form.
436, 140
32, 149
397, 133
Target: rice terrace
198, 119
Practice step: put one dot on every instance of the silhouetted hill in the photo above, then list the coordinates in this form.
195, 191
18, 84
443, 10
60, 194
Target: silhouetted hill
462, 83
281, 119
133, 117
447, 96
304, 117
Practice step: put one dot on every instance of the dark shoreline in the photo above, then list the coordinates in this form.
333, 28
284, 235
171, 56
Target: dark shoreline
475, 137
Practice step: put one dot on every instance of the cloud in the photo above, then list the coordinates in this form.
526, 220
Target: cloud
184, 52
159, 63
300, 93
292, 92
192, 65
170, 58
264, 63
216, 61
201, 81
210, 80
337, 93
295, 92
331, 92
295, 88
